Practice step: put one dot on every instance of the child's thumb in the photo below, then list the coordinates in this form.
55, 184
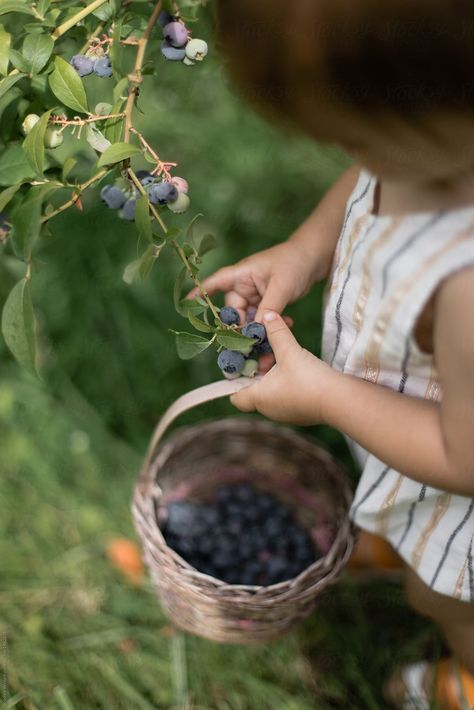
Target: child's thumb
279, 335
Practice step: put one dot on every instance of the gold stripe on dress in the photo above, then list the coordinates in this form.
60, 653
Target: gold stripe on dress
382, 516
372, 352
433, 389
457, 594
354, 235
441, 506
366, 285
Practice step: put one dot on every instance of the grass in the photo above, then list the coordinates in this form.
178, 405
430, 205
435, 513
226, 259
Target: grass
77, 635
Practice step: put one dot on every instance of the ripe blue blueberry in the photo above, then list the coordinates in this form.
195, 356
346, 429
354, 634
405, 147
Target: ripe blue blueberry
231, 362
161, 193
263, 348
164, 18
103, 67
176, 34
113, 197
174, 54
82, 64
128, 210
255, 330
180, 516
229, 316
145, 177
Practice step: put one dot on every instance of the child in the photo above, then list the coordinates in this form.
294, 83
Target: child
392, 82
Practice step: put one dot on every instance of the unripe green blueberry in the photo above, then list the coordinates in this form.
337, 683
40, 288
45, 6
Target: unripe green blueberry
188, 62
53, 138
28, 122
196, 49
250, 368
180, 205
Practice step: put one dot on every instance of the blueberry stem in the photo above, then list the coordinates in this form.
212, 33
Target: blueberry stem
61, 29
136, 76
178, 249
78, 190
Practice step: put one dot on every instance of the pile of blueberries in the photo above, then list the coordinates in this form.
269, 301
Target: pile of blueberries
234, 364
244, 537
173, 194
177, 45
85, 65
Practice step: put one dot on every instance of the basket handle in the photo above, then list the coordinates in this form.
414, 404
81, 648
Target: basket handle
200, 395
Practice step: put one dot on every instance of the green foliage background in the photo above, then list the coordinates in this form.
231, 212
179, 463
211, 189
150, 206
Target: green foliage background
71, 445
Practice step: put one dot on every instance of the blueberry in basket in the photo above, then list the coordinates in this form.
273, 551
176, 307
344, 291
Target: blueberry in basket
245, 536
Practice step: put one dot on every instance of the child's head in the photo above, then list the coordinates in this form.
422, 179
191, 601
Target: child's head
391, 81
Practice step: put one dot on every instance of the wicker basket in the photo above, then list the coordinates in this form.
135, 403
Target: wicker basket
190, 465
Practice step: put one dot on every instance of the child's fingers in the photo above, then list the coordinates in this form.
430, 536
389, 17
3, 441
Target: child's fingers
265, 363
279, 335
274, 299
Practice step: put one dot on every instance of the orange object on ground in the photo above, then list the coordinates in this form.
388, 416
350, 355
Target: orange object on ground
454, 686
373, 556
126, 556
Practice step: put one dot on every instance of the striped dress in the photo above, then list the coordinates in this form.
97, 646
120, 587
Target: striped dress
385, 270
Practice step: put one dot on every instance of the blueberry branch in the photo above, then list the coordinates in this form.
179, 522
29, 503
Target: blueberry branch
79, 189
61, 29
136, 77
174, 244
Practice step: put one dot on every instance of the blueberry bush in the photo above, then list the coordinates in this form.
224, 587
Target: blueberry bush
48, 52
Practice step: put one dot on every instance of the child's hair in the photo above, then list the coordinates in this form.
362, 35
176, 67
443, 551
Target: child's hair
404, 56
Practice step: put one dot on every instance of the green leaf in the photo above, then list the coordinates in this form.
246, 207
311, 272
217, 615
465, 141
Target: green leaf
114, 126
116, 48
190, 345
5, 42
190, 227
178, 287
37, 50
117, 153
9, 81
147, 261
18, 325
232, 340
14, 166
172, 233
207, 243
15, 6
43, 6
120, 89
188, 305
19, 61
67, 86
96, 138
199, 324
26, 219
189, 250
69, 164
33, 145
142, 218
8, 194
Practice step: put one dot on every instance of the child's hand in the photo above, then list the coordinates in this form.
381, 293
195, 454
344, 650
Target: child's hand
269, 280
295, 389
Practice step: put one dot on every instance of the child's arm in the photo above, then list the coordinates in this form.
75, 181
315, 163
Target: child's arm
280, 275
430, 442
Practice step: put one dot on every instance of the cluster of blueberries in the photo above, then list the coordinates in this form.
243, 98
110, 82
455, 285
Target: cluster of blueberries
245, 537
85, 65
173, 194
177, 45
235, 364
